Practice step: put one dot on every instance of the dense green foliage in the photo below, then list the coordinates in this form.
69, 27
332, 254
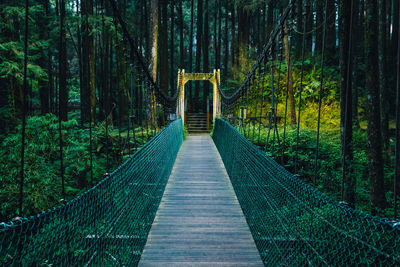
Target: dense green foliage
42, 157
114, 216
291, 222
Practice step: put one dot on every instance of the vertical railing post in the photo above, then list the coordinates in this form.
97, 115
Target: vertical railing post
215, 93
218, 99
182, 96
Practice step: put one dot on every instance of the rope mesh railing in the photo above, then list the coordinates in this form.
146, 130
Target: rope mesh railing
292, 223
108, 224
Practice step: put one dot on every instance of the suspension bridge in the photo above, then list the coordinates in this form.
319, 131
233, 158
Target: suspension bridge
205, 200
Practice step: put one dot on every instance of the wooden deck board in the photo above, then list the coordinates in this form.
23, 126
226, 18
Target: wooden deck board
199, 221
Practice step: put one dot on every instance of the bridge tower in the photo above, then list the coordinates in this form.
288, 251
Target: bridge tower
183, 78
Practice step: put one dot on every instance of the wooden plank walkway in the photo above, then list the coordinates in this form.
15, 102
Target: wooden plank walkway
199, 221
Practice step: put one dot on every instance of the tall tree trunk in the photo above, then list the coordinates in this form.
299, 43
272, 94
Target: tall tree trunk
299, 27
92, 69
264, 37
243, 36
63, 93
88, 87
309, 26
164, 47
377, 189
330, 43
105, 72
172, 49
190, 100
319, 10
181, 41
154, 38
289, 77
199, 36
146, 29
395, 34
122, 80
217, 34
44, 86
206, 86
270, 19
215, 39
384, 90
226, 41
358, 48
346, 117
233, 34
80, 65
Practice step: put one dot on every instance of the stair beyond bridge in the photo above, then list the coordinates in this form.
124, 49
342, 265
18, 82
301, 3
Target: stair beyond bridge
197, 123
199, 221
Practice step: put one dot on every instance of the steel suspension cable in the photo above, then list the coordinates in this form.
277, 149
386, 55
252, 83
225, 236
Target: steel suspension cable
237, 93
162, 97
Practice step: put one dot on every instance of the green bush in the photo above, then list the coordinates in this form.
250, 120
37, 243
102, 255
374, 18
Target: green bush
42, 185
329, 175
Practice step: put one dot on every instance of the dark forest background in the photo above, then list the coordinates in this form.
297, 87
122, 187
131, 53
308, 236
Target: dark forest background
79, 71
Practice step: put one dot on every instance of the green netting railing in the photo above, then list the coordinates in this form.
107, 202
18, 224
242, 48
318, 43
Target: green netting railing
108, 225
292, 223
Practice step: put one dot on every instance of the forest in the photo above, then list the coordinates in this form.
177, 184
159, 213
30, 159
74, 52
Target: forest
71, 113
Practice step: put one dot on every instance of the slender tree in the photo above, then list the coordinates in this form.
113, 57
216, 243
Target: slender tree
395, 34
163, 46
199, 36
62, 54
377, 190
299, 28
206, 39
172, 48
270, 19
154, 5
289, 76
88, 59
358, 48
331, 58
233, 34
345, 35
226, 42
384, 90
243, 34
44, 86
22, 169
190, 100
181, 36
319, 17
309, 25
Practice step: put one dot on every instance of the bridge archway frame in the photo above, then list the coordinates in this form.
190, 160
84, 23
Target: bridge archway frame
214, 78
